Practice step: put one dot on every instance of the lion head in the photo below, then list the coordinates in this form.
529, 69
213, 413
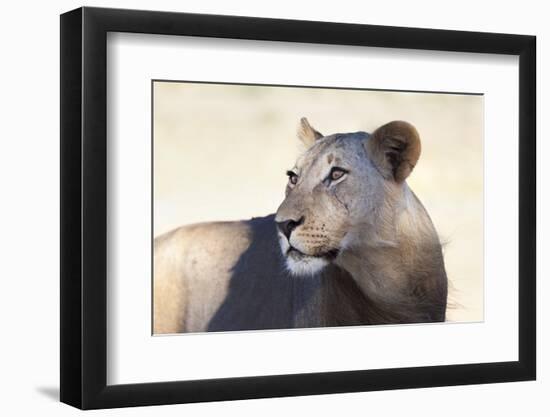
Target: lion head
344, 190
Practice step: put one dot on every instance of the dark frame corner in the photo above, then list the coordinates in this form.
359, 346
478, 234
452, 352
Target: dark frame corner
83, 207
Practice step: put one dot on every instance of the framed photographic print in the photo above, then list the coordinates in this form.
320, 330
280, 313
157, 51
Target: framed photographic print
257, 207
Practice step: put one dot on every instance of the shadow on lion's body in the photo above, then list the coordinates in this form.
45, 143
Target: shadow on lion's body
259, 299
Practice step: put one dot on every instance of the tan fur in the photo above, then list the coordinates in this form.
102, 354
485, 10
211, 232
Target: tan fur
367, 226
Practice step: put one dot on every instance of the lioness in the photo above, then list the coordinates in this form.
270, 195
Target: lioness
350, 244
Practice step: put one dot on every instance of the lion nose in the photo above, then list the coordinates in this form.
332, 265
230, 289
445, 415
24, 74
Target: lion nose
286, 227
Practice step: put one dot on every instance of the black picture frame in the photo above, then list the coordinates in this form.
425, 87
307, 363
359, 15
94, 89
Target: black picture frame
84, 207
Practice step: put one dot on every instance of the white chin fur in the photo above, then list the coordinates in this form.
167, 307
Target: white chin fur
306, 266
301, 266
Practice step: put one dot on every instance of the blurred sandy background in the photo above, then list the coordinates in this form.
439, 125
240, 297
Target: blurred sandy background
221, 152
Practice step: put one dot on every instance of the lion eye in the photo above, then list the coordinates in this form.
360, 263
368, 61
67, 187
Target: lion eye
337, 173
292, 177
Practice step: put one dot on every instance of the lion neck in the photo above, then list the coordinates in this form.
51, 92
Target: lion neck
391, 253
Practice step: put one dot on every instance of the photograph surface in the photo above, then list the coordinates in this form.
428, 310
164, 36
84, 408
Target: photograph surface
280, 207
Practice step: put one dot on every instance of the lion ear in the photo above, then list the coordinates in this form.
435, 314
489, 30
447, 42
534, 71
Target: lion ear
307, 134
395, 149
